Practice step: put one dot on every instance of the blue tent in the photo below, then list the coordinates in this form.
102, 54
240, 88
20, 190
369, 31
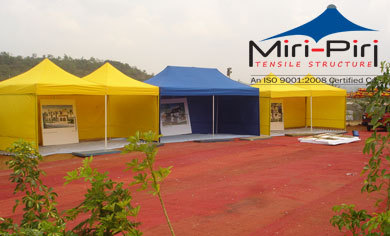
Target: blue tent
236, 106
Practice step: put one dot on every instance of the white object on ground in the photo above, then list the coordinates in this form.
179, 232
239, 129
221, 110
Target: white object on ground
329, 139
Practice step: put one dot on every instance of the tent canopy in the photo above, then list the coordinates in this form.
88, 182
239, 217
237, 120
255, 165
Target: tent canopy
192, 81
319, 89
234, 110
326, 108
131, 105
276, 88
328, 103
117, 83
21, 96
47, 78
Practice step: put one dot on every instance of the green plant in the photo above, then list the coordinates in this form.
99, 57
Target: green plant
40, 215
349, 218
379, 224
377, 170
146, 174
378, 174
107, 202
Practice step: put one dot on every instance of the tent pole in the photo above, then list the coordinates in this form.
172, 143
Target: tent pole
305, 112
216, 122
213, 116
311, 113
105, 121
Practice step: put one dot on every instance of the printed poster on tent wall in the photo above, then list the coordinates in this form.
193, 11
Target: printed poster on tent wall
277, 122
174, 117
58, 122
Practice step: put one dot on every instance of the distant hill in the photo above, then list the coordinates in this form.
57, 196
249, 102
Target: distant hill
11, 66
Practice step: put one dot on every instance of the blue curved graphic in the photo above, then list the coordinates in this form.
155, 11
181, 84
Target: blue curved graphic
331, 21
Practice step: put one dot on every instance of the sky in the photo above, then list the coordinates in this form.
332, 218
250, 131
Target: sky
153, 34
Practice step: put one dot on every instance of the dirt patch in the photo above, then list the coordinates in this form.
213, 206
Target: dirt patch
277, 186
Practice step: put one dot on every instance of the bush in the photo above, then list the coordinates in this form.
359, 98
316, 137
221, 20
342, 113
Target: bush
107, 203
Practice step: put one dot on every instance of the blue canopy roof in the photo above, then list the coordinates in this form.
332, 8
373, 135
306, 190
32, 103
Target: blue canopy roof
331, 21
192, 81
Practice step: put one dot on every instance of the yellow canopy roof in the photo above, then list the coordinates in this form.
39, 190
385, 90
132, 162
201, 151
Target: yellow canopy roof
271, 86
117, 83
319, 89
47, 78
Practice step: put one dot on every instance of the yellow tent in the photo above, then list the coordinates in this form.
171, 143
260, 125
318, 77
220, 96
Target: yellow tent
326, 106
47, 78
20, 98
117, 83
292, 98
131, 105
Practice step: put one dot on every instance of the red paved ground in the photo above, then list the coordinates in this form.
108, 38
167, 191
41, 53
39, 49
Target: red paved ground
269, 187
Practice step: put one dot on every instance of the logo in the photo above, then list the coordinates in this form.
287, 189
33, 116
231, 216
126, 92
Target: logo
331, 21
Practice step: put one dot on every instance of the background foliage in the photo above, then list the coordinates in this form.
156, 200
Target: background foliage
11, 66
